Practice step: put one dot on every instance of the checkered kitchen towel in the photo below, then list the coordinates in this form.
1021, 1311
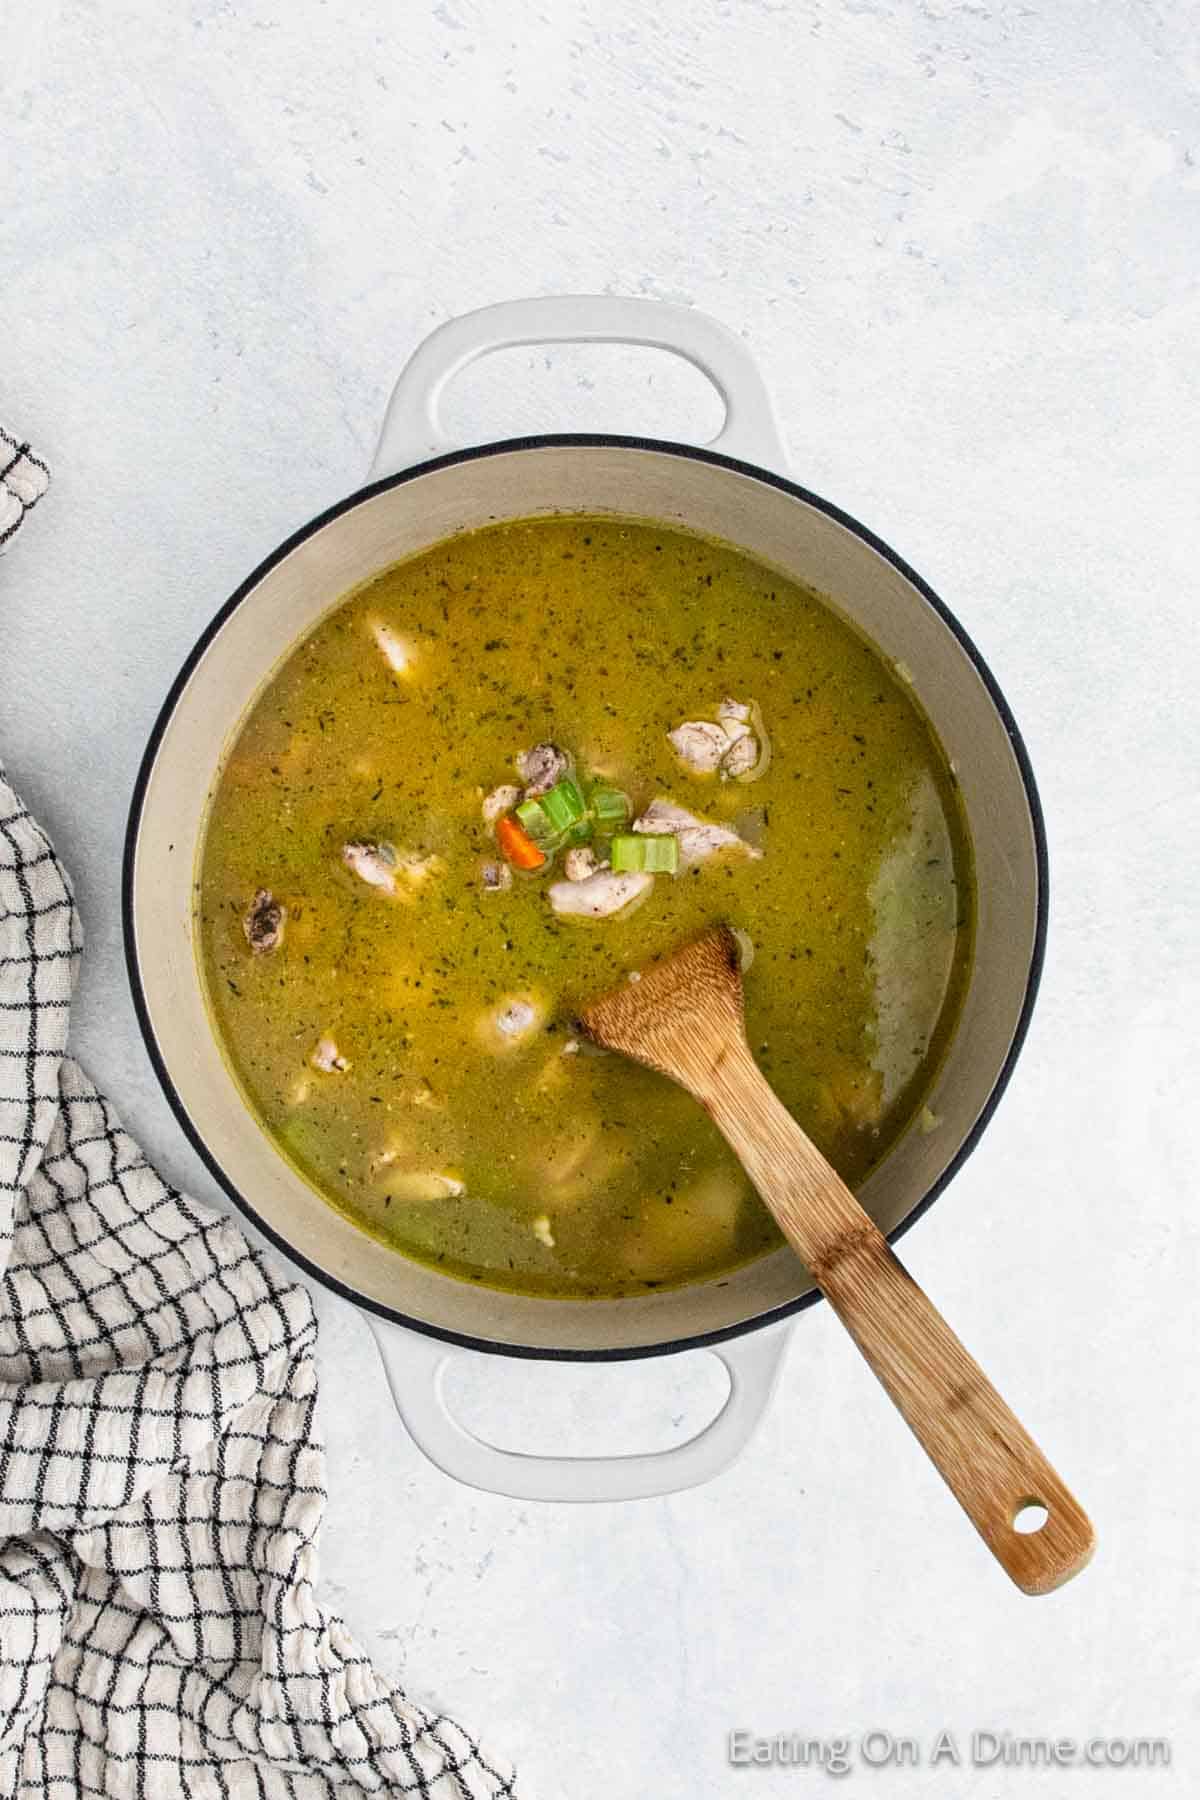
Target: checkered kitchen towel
161, 1479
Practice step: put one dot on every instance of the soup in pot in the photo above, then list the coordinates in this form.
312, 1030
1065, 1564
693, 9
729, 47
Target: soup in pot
500, 778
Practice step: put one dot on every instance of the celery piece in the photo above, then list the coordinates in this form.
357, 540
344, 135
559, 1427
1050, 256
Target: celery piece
610, 808
536, 821
562, 804
651, 853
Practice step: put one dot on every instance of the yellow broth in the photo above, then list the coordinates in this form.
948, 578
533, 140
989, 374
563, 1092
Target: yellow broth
580, 1174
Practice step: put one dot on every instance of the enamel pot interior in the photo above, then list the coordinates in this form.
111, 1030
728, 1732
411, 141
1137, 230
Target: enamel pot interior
774, 522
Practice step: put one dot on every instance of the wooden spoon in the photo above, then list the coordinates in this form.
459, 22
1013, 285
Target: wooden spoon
684, 1017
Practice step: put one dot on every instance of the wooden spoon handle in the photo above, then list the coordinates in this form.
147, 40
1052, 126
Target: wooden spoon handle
986, 1457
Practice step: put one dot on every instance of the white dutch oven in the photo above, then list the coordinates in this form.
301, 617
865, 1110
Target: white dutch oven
421, 490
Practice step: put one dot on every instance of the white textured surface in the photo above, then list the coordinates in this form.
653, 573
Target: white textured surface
961, 240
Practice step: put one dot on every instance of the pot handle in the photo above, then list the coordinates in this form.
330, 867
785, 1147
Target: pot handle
412, 429
416, 1369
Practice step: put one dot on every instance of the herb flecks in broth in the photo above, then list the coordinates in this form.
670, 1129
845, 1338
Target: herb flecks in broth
394, 990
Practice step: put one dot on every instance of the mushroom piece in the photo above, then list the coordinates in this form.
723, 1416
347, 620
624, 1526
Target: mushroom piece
264, 921
495, 877
541, 767
328, 1058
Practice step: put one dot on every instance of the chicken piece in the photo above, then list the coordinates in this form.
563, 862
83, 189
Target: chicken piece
580, 862
541, 767
393, 1152
731, 747
553, 1076
500, 800
600, 896
328, 1058
561, 1162
421, 1184
379, 865
858, 1095
572, 1166
560, 1070
699, 746
687, 1234
740, 745
740, 758
749, 753
373, 863
395, 652
494, 877
399, 1172
516, 1019
512, 1023
264, 922
417, 869
698, 838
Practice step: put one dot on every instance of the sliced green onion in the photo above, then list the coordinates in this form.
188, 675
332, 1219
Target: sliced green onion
563, 804
578, 833
536, 820
651, 853
610, 808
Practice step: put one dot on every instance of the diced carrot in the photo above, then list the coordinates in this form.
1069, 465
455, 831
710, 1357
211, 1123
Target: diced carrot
516, 844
